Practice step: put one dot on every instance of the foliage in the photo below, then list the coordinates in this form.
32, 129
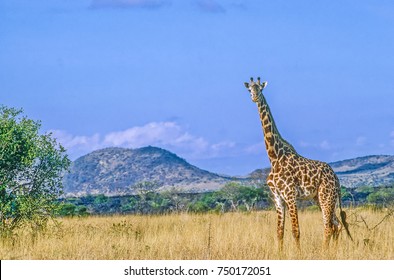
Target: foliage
31, 169
238, 196
383, 196
367, 195
365, 190
71, 210
232, 197
210, 201
67, 209
346, 194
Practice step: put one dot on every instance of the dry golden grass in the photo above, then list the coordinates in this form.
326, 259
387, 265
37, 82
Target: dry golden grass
206, 236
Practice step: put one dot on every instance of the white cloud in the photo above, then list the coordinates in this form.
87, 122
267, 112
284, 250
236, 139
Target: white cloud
167, 135
152, 133
221, 145
224, 148
77, 142
255, 148
163, 134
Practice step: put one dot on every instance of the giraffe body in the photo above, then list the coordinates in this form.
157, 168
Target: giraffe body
295, 177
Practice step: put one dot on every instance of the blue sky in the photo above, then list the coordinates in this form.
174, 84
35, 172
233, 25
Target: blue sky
170, 73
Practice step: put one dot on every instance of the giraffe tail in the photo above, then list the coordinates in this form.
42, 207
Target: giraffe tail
343, 219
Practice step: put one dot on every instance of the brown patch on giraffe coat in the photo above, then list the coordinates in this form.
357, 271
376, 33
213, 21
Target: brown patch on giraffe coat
271, 140
276, 148
267, 128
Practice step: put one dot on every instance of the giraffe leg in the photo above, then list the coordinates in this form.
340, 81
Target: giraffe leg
327, 198
280, 210
336, 227
327, 223
327, 212
295, 228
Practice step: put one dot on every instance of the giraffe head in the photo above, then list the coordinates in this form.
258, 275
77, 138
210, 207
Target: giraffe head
255, 88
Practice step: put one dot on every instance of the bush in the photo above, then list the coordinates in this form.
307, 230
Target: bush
67, 209
382, 196
31, 169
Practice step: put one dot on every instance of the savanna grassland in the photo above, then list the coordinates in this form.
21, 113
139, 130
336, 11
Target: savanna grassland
202, 236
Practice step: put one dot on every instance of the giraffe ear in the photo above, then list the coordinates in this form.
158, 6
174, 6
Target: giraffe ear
246, 85
263, 85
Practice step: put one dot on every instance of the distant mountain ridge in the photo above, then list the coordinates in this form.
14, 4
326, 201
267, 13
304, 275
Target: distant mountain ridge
365, 171
116, 171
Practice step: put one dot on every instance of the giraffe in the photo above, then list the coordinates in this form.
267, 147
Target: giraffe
295, 177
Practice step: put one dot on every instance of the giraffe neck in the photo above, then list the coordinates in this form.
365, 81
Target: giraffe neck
276, 146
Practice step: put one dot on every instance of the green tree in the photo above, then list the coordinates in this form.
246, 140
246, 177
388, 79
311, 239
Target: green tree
31, 169
211, 201
347, 195
241, 197
173, 200
81, 211
130, 205
67, 209
384, 196
145, 192
361, 193
100, 199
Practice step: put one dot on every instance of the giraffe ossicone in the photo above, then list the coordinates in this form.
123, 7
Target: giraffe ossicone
293, 176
